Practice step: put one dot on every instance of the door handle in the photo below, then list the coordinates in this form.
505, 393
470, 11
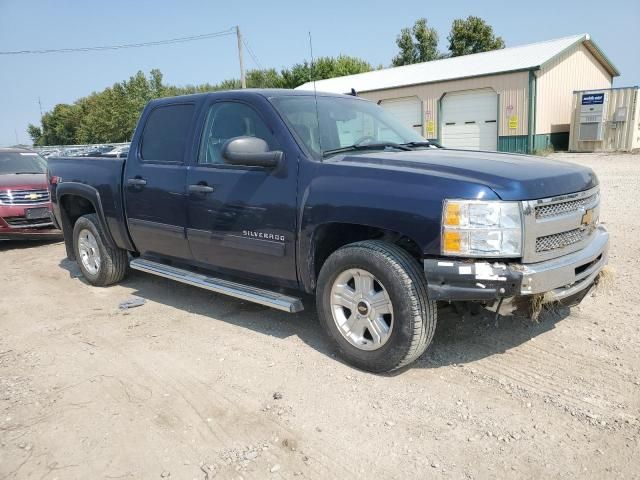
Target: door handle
199, 188
136, 182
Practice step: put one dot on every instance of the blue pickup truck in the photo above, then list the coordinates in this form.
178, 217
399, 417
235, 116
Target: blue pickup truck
271, 195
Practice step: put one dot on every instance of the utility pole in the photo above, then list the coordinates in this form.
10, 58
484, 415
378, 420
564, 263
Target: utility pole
243, 81
40, 103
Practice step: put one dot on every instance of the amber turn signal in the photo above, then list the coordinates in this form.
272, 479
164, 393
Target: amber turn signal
451, 241
452, 214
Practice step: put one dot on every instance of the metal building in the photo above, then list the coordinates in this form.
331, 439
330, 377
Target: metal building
517, 99
606, 120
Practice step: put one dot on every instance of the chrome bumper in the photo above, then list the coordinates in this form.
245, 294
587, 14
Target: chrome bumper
567, 275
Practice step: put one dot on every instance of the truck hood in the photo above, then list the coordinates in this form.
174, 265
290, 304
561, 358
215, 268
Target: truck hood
23, 182
511, 177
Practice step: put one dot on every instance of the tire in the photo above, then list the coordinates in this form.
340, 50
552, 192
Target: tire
110, 264
410, 327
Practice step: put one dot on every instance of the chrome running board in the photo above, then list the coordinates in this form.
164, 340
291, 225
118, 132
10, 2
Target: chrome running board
245, 292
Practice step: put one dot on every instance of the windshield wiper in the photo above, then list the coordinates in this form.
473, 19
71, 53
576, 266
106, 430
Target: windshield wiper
367, 146
423, 143
28, 173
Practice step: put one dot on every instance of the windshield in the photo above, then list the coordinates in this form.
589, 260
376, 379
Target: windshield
21, 163
344, 121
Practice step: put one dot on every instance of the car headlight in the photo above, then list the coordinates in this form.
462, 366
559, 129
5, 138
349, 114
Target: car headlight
475, 228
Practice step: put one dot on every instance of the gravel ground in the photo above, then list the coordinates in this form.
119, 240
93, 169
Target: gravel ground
195, 385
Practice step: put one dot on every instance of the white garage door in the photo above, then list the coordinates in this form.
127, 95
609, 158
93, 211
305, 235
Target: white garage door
469, 120
408, 110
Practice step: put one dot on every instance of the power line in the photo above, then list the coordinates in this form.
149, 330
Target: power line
170, 41
253, 55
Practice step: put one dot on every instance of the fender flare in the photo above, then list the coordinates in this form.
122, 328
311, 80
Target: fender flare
90, 194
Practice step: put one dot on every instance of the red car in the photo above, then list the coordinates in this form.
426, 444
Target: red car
25, 206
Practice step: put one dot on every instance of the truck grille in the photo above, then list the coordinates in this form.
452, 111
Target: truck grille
559, 225
23, 222
24, 197
559, 240
555, 209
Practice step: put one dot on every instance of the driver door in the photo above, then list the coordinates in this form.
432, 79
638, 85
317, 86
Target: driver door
242, 219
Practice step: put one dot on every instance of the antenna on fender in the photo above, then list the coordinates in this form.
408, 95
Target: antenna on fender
315, 94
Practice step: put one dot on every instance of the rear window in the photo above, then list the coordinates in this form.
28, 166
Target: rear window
165, 133
18, 163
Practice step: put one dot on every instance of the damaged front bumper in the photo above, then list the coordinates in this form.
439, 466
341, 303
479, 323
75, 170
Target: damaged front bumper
566, 277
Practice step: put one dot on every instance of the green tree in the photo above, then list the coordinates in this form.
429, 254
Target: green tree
416, 44
323, 68
472, 35
35, 133
269, 78
59, 126
111, 115
330, 67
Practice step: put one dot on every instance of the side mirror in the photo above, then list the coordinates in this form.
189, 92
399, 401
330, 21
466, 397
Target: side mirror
250, 151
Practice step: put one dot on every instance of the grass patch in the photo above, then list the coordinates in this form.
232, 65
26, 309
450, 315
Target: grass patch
544, 152
605, 280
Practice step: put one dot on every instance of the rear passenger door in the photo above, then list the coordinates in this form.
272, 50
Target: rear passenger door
155, 179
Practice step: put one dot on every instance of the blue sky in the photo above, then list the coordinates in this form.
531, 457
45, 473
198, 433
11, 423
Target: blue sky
276, 32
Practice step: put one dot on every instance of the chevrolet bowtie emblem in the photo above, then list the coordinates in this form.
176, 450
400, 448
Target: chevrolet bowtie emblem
587, 218
33, 196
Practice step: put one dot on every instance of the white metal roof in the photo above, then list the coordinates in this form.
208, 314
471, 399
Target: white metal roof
510, 59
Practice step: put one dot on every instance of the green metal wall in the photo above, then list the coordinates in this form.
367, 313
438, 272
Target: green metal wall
519, 143
513, 143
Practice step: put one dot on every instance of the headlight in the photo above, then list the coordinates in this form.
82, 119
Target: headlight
473, 228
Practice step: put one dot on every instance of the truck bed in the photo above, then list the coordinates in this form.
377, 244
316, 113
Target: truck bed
100, 174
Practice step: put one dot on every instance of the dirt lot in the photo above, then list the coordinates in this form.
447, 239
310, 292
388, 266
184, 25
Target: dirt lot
195, 385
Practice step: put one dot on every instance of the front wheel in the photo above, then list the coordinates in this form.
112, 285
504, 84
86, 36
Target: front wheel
372, 302
100, 264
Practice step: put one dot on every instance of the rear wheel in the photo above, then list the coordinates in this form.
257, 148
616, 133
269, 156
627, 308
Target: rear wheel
372, 301
100, 264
